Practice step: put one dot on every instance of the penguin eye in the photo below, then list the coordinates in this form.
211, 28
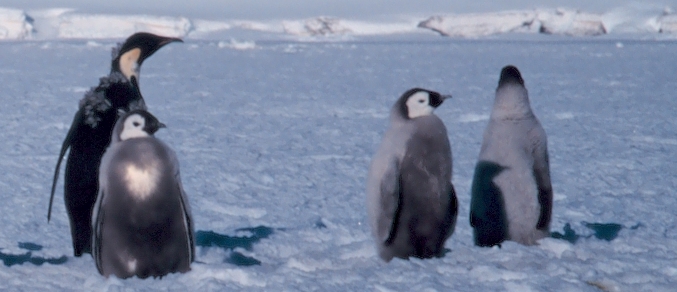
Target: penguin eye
421, 101
136, 124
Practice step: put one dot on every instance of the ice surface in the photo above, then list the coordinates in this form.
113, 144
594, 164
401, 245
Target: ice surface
280, 137
238, 45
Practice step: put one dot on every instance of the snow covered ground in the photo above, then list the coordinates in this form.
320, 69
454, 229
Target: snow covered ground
275, 137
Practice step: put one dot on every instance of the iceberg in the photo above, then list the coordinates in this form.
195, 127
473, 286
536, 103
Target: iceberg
65, 23
481, 24
15, 24
120, 26
559, 21
571, 22
668, 24
319, 26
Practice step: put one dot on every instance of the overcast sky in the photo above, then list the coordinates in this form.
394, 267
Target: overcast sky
282, 9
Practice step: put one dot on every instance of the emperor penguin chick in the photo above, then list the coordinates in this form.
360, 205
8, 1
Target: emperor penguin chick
511, 189
411, 202
142, 224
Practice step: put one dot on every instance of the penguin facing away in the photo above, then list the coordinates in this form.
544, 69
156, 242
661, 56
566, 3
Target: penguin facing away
411, 202
142, 224
90, 132
511, 193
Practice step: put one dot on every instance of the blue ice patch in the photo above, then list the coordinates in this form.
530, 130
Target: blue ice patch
230, 243
603, 231
18, 259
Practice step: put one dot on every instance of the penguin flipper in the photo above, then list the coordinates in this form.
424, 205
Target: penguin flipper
452, 211
64, 147
185, 207
97, 225
542, 177
391, 203
487, 209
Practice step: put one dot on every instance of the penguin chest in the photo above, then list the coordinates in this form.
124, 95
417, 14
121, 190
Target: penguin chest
141, 180
520, 196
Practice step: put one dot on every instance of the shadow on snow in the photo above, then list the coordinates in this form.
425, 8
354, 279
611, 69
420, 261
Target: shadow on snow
18, 259
602, 231
230, 243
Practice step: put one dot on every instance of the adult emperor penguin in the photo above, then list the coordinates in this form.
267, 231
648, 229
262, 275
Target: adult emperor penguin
90, 132
142, 224
411, 202
511, 189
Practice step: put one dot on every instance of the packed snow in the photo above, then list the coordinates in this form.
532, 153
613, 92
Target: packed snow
275, 137
63, 23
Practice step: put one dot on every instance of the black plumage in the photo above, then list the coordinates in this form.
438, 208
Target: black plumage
90, 132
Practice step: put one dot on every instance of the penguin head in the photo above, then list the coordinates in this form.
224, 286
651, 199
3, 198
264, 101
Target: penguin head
135, 50
510, 75
137, 124
418, 102
512, 97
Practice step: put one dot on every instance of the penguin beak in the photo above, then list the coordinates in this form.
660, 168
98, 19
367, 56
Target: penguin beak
151, 128
169, 40
446, 96
150, 49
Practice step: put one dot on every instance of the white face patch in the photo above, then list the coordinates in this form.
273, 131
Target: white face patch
141, 181
418, 105
129, 63
133, 128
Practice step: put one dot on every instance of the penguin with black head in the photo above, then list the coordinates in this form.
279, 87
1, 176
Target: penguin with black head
511, 189
411, 201
90, 132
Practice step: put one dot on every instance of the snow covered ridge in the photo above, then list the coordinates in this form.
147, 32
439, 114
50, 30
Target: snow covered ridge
15, 24
668, 24
560, 21
569, 22
62, 23
121, 26
328, 26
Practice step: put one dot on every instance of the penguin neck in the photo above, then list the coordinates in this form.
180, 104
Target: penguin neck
129, 62
511, 103
123, 94
397, 120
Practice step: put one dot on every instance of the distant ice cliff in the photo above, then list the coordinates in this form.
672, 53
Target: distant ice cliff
61, 23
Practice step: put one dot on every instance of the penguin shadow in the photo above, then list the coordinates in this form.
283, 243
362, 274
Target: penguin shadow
18, 259
208, 239
601, 231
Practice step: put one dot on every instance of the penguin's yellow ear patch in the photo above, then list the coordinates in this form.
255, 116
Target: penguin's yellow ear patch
129, 63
